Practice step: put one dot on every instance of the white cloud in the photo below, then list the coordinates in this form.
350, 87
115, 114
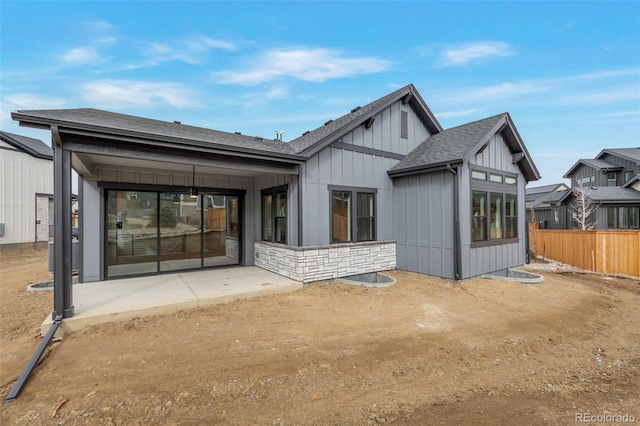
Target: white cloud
314, 65
31, 101
122, 94
191, 50
463, 54
453, 114
81, 55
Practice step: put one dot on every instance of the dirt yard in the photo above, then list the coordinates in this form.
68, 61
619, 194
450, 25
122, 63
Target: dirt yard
425, 351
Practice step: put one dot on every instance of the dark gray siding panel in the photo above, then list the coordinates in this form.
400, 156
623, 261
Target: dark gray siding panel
423, 206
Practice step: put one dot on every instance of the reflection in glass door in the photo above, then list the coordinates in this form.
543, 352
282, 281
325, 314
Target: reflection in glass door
221, 244
150, 232
180, 229
132, 236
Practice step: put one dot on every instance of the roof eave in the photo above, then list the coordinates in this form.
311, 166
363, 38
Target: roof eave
442, 165
85, 130
27, 149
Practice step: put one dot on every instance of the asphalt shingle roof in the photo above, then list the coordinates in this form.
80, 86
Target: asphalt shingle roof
614, 193
449, 145
116, 123
34, 147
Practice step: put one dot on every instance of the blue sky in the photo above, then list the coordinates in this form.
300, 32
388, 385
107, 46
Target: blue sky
567, 72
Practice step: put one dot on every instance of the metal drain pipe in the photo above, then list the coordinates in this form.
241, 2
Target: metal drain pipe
22, 380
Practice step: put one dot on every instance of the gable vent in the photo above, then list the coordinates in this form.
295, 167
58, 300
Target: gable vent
404, 124
355, 109
330, 121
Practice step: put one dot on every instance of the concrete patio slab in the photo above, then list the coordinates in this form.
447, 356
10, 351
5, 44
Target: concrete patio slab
124, 299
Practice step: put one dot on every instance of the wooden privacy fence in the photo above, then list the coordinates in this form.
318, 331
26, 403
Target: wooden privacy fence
606, 251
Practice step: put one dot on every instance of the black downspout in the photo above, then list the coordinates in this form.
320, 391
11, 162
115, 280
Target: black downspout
456, 225
62, 284
300, 240
22, 380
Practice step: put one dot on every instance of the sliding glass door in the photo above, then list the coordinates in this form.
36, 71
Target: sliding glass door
151, 232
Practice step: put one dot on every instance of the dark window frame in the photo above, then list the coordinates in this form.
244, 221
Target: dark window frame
274, 219
354, 212
492, 189
614, 212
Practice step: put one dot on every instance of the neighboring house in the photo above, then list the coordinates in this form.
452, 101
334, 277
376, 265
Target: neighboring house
612, 182
541, 204
26, 191
609, 178
381, 187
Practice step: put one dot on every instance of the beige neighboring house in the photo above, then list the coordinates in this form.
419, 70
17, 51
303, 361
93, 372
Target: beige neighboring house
26, 191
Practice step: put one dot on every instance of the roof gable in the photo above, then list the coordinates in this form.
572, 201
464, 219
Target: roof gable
631, 154
599, 165
458, 144
34, 147
315, 140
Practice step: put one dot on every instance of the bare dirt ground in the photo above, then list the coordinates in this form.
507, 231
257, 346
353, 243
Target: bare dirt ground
425, 351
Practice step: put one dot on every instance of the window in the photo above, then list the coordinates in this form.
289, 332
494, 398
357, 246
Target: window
496, 216
627, 176
623, 217
495, 178
556, 215
341, 217
475, 174
365, 217
353, 214
587, 180
274, 215
611, 179
479, 216
511, 216
494, 207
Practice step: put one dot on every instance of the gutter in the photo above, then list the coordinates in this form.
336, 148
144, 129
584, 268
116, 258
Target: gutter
22, 380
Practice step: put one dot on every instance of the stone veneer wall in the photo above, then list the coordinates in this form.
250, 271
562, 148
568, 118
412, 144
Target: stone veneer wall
315, 263
231, 247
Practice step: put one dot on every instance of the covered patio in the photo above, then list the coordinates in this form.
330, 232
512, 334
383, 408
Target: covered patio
124, 299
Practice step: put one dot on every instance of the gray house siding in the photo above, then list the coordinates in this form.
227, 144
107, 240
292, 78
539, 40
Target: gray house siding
627, 165
373, 152
335, 166
424, 225
584, 171
480, 260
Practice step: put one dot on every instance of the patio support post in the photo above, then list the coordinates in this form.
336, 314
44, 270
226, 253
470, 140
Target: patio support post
62, 269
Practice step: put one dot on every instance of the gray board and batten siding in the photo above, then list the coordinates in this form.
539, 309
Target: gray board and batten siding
481, 260
424, 228
360, 159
